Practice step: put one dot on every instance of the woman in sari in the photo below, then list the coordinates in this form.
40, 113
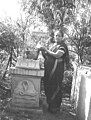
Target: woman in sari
54, 71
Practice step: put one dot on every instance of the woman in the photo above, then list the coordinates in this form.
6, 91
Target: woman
54, 70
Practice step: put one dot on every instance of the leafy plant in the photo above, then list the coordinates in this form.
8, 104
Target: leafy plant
67, 82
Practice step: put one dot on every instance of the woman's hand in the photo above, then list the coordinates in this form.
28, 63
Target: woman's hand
42, 48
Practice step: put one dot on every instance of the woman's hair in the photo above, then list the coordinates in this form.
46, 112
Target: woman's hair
67, 58
51, 39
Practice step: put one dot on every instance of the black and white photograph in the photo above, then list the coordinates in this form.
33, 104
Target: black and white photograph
45, 59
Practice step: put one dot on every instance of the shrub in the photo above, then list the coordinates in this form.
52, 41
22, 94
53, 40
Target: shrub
67, 82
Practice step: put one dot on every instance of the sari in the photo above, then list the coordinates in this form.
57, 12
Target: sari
53, 76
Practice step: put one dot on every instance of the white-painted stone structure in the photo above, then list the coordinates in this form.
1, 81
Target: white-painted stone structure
81, 92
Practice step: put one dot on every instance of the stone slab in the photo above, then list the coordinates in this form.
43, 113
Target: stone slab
27, 71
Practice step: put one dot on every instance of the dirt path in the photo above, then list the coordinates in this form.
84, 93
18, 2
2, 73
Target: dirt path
66, 113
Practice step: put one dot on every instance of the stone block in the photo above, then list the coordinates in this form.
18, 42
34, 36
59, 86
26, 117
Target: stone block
27, 71
25, 88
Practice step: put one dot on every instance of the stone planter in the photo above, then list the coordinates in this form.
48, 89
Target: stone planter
33, 54
28, 63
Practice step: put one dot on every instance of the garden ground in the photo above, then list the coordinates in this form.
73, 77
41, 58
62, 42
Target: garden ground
66, 113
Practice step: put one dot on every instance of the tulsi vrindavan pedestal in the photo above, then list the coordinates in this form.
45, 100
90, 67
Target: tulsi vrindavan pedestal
26, 79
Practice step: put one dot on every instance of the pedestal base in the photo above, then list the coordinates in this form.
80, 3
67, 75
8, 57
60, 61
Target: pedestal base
16, 109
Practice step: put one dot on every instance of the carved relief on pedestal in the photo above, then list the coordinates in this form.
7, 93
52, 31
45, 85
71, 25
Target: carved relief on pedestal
25, 88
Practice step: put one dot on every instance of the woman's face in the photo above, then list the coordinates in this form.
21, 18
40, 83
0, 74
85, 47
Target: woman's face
58, 37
